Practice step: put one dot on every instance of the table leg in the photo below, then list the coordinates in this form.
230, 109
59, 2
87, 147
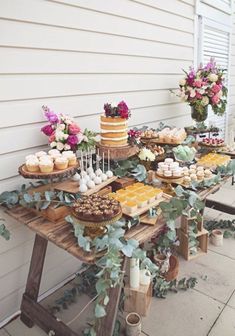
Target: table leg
107, 324
34, 276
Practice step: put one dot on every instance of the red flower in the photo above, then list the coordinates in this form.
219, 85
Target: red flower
123, 110
47, 130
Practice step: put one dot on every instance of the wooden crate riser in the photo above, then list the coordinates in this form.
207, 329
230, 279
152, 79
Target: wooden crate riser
184, 244
137, 300
186, 222
54, 214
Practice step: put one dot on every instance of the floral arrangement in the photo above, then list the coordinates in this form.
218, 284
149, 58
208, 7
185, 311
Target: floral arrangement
120, 110
146, 155
134, 136
205, 87
65, 134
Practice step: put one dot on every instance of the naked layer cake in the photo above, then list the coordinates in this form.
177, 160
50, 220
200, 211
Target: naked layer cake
113, 124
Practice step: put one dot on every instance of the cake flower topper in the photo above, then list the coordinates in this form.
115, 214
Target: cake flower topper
120, 110
64, 133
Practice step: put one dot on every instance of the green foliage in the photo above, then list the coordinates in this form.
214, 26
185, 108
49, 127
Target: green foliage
36, 200
185, 203
161, 287
206, 183
228, 170
139, 173
4, 232
88, 142
227, 225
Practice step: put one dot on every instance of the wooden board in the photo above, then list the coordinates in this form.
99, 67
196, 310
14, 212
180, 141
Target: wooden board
145, 219
54, 174
72, 187
117, 153
141, 211
168, 179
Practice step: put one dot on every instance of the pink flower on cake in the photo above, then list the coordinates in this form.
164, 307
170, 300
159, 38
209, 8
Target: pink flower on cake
123, 110
74, 129
47, 130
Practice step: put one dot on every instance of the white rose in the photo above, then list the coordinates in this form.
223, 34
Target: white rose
213, 77
192, 93
201, 91
147, 155
61, 127
67, 147
65, 136
205, 101
182, 82
53, 144
60, 146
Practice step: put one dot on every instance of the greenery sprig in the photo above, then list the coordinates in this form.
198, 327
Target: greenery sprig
4, 232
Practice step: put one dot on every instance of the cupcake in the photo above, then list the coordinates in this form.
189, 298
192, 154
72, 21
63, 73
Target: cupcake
193, 177
167, 173
31, 156
40, 154
193, 166
200, 175
67, 153
192, 171
200, 168
187, 180
72, 160
61, 163
46, 166
208, 173
45, 158
32, 165
53, 152
177, 173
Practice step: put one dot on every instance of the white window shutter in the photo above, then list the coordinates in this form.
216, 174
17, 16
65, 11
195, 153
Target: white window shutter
215, 42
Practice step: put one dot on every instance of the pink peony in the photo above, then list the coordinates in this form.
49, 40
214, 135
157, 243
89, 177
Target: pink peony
72, 140
74, 129
215, 100
216, 88
47, 130
123, 110
198, 83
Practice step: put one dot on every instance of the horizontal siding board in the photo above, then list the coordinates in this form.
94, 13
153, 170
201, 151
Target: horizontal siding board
27, 35
14, 60
135, 11
15, 113
33, 86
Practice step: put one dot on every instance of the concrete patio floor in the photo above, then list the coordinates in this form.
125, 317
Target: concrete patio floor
207, 310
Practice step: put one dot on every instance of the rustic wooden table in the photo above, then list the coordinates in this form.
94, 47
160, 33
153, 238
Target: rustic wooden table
61, 234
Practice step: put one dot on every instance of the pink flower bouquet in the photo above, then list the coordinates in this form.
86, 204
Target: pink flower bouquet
205, 87
64, 134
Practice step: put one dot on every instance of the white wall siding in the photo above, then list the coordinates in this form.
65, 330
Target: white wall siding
74, 56
232, 82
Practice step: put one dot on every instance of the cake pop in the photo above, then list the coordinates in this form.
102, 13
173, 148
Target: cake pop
103, 177
97, 180
91, 184
76, 177
92, 176
109, 173
83, 188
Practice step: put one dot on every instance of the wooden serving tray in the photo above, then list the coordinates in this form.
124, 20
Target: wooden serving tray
56, 173
72, 187
141, 211
169, 178
117, 153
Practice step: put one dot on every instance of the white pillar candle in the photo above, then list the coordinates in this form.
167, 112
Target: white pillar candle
134, 273
217, 237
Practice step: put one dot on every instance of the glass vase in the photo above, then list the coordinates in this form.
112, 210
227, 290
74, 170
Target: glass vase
199, 113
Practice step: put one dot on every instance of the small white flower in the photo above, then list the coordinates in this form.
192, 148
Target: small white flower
53, 144
60, 146
192, 93
61, 127
85, 138
67, 147
213, 77
201, 91
205, 101
182, 82
146, 155
114, 104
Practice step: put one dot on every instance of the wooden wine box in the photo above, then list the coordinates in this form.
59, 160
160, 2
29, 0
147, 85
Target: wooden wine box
121, 183
137, 299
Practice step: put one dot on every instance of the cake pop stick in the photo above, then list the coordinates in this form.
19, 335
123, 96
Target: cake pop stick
103, 162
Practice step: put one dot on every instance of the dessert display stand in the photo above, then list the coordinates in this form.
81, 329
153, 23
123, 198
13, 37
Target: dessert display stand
117, 153
138, 299
167, 183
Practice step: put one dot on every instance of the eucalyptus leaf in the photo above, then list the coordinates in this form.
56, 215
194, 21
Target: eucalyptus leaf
99, 311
